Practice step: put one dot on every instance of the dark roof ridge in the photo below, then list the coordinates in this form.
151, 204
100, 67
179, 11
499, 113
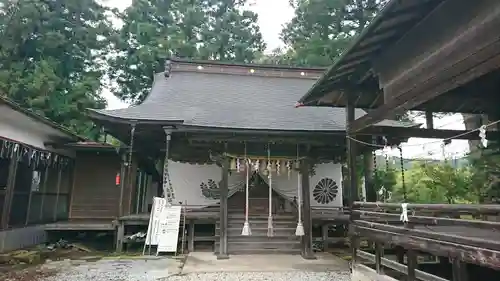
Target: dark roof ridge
262, 70
255, 65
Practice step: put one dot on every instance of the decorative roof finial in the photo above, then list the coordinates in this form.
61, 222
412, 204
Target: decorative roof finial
168, 68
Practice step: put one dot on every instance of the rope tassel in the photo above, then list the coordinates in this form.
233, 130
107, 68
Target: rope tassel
270, 229
246, 231
300, 227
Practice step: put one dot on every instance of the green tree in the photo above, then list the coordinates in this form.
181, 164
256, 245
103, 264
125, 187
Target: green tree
437, 182
322, 29
52, 57
154, 30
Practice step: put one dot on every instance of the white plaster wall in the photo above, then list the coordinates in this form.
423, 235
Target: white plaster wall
18, 127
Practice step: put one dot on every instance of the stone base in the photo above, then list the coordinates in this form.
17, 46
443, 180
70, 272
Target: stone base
308, 256
364, 273
222, 257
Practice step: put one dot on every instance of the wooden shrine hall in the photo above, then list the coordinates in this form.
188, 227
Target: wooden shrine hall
250, 170
431, 56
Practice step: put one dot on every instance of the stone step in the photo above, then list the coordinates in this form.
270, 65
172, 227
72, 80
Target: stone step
264, 252
259, 231
238, 215
263, 239
259, 224
278, 244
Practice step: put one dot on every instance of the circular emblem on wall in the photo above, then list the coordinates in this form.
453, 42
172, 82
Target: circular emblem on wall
210, 189
325, 191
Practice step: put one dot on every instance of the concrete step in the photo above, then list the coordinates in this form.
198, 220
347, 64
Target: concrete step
259, 231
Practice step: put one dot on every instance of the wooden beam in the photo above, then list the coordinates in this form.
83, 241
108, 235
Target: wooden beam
483, 257
426, 133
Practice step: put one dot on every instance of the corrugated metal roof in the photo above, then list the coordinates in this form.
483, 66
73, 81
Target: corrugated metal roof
224, 100
395, 20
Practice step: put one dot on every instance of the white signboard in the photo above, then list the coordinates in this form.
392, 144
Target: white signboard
159, 205
169, 229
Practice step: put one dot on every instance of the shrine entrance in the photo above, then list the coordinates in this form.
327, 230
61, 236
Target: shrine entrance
258, 200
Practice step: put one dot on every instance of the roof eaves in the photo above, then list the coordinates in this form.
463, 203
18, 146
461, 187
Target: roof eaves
103, 116
40, 118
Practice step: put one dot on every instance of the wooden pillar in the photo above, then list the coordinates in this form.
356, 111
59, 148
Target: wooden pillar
224, 190
120, 236
43, 190
307, 251
352, 177
122, 184
324, 235
59, 180
429, 120
9, 192
191, 237
459, 270
368, 165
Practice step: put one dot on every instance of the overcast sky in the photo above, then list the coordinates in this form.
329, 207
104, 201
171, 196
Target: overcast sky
272, 15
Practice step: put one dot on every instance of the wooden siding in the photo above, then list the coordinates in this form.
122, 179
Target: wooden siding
95, 194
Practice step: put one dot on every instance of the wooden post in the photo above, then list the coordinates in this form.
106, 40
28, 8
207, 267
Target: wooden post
9, 192
120, 236
307, 252
324, 235
429, 120
379, 254
368, 163
223, 210
459, 270
122, 184
59, 179
42, 192
191, 236
352, 177
412, 259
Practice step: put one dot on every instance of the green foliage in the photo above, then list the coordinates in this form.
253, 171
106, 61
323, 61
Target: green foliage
52, 58
155, 30
435, 183
322, 29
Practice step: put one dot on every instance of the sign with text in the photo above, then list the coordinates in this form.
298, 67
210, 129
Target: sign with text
168, 231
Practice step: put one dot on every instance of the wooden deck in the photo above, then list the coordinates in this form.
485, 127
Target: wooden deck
82, 225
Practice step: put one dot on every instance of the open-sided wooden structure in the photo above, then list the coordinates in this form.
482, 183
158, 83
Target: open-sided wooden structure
206, 112
432, 56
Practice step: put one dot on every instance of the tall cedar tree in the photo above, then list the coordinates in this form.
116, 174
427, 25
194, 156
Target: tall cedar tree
154, 30
52, 57
322, 29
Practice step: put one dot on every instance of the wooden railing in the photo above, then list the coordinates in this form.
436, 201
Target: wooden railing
461, 233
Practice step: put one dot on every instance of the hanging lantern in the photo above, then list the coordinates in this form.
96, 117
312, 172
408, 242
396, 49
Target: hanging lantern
117, 179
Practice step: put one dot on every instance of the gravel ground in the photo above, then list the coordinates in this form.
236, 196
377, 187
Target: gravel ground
264, 276
168, 270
